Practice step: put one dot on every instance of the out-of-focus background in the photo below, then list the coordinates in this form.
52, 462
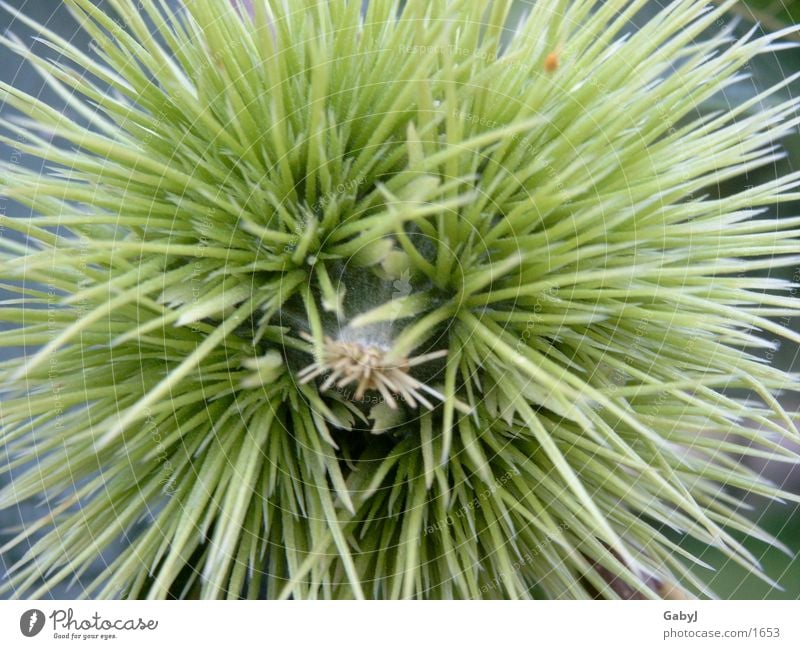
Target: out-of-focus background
783, 521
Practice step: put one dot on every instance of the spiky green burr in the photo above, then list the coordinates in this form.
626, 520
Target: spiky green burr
245, 203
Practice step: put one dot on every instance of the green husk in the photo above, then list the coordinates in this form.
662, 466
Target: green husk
416, 179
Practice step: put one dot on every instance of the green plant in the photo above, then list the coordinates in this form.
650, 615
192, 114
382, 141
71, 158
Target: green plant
392, 306
774, 14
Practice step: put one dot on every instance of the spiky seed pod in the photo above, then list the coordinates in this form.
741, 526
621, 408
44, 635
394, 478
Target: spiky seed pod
540, 201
